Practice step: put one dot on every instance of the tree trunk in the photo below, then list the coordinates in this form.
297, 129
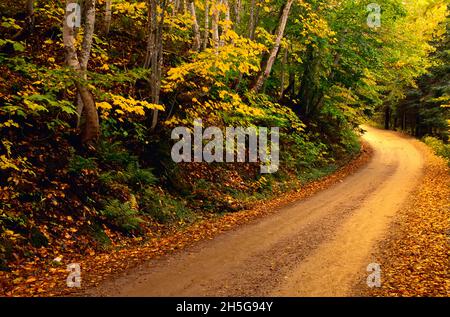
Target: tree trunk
86, 45
154, 54
90, 131
387, 117
290, 89
280, 33
29, 22
307, 86
206, 31
176, 4
107, 25
215, 26
237, 12
227, 21
283, 66
252, 20
89, 27
404, 121
183, 6
196, 29
151, 26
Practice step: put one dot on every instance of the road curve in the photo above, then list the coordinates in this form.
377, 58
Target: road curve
319, 246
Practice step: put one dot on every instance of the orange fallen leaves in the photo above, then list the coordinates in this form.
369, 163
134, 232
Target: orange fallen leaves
416, 256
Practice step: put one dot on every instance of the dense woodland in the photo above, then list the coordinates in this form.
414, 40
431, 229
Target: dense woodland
86, 112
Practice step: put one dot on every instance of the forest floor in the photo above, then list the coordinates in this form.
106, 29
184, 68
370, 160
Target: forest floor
50, 280
388, 206
416, 253
322, 245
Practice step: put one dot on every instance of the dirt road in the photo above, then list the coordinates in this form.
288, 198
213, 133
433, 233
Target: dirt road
319, 246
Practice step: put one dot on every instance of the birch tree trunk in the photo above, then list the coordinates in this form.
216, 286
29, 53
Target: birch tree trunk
90, 131
85, 53
273, 54
215, 26
89, 27
227, 15
107, 17
206, 34
196, 28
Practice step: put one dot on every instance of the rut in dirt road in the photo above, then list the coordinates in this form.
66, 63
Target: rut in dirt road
319, 246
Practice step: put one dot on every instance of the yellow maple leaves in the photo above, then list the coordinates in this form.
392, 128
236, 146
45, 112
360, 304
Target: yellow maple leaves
214, 66
123, 106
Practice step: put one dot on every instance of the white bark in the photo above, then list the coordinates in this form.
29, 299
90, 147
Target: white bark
273, 54
107, 16
206, 34
196, 28
227, 13
89, 27
86, 103
215, 26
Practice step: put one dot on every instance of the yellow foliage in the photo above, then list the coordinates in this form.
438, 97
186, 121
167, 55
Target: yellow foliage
6, 163
126, 106
213, 66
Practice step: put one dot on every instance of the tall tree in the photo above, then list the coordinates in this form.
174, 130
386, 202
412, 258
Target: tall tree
154, 53
107, 18
264, 74
196, 28
215, 24
206, 26
90, 129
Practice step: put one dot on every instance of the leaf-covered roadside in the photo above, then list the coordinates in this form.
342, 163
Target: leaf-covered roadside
415, 258
41, 280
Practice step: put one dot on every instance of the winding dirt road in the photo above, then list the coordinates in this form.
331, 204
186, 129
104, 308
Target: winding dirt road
319, 246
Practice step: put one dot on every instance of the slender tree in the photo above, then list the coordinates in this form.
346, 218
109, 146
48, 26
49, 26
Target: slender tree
206, 26
154, 53
273, 54
107, 22
196, 28
90, 130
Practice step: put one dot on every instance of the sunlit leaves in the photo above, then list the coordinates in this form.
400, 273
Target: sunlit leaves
122, 106
214, 67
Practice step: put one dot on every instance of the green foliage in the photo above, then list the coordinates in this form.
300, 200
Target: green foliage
78, 163
121, 215
114, 155
438, 146
99, 235
299, 153
316, 173
133, 175
162, 207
